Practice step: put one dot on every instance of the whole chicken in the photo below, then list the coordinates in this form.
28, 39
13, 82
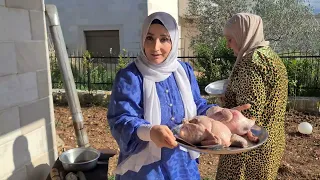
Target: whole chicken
207, 131
234, 120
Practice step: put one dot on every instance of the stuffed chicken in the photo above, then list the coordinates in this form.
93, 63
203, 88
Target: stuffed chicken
207, 131
234, 120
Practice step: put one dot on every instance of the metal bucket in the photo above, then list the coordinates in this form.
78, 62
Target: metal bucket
79, 159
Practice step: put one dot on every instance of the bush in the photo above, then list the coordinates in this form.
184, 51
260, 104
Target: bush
214, 64
90, 73
303, 76
124, 60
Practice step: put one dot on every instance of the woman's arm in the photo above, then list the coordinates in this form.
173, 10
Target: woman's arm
125, 111
249, 87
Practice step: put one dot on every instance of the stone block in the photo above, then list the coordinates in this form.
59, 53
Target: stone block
31, 56
39, 168
19, 174
15, 24
40, 141
18, 89
10, 125
7, 59
35, 115
14, 155
37, 25
26, 4
29, 88
43, 84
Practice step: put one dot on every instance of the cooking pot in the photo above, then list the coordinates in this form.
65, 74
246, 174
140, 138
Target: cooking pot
80, 159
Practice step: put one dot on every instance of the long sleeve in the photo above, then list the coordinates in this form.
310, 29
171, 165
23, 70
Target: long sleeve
125, 111
251, 88
201, 103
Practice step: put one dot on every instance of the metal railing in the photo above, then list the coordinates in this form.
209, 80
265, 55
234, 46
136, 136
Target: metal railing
98, 73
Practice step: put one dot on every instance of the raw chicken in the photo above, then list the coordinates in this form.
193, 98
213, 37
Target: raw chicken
234, 120
206, 131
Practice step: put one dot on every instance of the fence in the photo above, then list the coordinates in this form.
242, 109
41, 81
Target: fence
98, 73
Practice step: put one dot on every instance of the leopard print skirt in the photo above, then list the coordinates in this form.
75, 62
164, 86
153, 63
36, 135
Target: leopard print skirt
259, 164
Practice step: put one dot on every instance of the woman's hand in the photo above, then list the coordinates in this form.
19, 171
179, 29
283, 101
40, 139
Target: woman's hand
242, 107
162, 136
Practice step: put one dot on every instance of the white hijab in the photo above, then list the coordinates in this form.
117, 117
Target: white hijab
153, 73
247, 30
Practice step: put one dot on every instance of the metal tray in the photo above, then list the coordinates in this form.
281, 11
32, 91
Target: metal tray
219, 149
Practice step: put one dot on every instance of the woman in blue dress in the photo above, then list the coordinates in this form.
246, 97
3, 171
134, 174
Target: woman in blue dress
149, 97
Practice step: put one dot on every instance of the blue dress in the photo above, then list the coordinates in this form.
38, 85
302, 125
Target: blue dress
125, 115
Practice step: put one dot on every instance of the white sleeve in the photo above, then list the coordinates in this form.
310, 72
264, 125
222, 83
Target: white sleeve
143, 132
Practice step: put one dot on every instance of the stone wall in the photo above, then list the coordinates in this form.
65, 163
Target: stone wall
77, 16
27, 129
127, 16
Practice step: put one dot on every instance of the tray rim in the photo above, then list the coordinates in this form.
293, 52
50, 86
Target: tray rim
220, 92
229, 150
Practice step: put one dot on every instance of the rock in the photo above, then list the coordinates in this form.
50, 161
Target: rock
71, 176
60, 142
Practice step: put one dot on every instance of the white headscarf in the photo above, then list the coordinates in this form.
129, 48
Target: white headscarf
153, 73
247, 30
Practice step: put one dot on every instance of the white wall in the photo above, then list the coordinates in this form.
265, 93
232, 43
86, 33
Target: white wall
169, 6
27, 131
183, 7
188, 31
124, 15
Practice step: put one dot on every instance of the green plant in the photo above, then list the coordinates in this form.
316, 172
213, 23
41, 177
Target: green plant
302, 73
111, 178
99, 74
56, 75
208, 63
124, 60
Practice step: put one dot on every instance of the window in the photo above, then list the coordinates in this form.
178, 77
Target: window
103, 42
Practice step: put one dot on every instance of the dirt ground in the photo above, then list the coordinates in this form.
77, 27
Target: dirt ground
301, 158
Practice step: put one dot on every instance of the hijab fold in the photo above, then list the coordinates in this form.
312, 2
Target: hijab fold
247, 30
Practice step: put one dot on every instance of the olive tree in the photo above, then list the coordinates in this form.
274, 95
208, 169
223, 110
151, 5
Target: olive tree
288, 24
